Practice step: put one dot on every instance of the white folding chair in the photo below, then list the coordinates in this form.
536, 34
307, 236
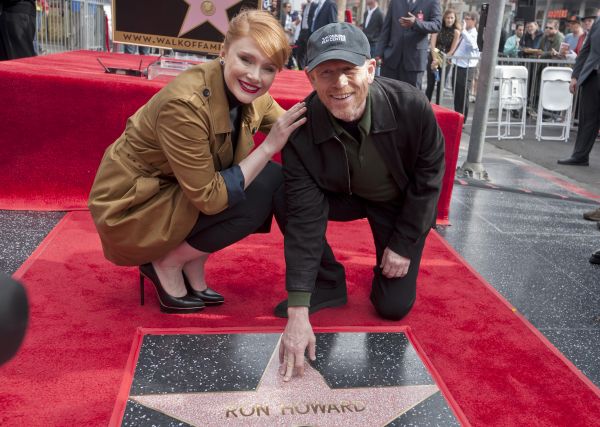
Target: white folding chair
556, 98
512, 97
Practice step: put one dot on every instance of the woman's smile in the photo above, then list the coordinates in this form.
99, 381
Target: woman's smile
248, 87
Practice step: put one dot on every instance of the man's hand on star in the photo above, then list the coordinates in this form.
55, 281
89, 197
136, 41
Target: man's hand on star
393, 265
297, 337
407, 21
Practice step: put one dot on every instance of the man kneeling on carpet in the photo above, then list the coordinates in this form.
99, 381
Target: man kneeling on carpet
371, 149
181, 182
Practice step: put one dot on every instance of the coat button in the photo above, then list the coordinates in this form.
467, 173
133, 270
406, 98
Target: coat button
206, 92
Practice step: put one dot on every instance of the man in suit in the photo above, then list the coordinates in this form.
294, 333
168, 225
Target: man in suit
403, 42
308, 11
325, 13
372, 24
586, 74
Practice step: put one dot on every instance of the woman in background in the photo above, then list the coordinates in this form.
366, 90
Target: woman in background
182, 181
446, 42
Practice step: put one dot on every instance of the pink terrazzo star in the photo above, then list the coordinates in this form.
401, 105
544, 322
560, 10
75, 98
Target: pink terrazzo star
196, 16
306, 401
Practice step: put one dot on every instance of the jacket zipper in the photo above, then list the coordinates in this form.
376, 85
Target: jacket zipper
347, 165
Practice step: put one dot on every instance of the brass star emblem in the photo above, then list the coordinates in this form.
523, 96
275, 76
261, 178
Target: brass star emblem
201, 11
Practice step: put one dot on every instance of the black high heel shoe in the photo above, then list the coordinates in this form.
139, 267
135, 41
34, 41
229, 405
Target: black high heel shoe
208, 295
168, 303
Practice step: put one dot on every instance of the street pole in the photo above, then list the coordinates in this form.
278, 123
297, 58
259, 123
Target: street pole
473, 168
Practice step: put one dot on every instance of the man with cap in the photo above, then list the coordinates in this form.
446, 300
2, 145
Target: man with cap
589, 17
371, 148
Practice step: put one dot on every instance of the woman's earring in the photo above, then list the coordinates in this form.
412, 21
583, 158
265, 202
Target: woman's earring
222, 61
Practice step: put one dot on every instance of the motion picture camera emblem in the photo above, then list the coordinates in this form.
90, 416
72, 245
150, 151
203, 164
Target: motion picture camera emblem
208, 8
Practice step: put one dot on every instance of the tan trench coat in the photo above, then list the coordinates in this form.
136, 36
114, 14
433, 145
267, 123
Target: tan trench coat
164, 169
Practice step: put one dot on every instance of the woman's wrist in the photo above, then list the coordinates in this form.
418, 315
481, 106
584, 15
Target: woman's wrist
267, 149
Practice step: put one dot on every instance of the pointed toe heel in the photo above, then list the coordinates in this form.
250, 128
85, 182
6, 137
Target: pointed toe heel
208, 296
168, 303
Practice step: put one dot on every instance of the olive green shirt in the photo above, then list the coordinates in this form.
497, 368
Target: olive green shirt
369, 176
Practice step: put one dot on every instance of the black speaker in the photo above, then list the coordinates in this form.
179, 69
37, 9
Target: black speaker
525, 14
525, 11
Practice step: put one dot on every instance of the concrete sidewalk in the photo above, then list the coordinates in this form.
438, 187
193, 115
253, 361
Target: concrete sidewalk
545, 153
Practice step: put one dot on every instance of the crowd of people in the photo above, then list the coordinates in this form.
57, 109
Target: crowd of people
412, 38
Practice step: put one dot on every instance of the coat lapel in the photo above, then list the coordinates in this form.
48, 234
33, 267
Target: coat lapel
249, 123
217, 100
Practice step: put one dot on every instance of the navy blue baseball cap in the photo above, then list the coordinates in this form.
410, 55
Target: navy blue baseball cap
338, 40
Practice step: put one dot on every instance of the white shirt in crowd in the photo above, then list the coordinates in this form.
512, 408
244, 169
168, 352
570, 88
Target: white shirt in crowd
467, 48
317, 10
369, 14
304, 24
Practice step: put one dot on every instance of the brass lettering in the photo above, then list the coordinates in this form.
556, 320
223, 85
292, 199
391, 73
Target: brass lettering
247, 415
333, 407
316, 407
230, 411
345, 405
307, 409
359, 406
290, 408
265, 409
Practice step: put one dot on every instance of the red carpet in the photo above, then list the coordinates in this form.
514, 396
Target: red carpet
85, 312
61, 112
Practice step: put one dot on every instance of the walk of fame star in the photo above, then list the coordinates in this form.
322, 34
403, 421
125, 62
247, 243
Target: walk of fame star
306, 400
201, 11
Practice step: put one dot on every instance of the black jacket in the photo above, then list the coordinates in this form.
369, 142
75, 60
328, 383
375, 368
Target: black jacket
373, 30
326, 15
404, 129
589, 57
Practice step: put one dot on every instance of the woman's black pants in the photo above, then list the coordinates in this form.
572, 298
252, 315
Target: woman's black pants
214, 232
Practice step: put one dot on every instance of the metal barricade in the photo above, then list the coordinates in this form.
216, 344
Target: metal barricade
534, 66
65, 25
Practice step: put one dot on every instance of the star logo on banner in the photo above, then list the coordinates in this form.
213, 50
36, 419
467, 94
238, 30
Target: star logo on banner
201, 11
304, 401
